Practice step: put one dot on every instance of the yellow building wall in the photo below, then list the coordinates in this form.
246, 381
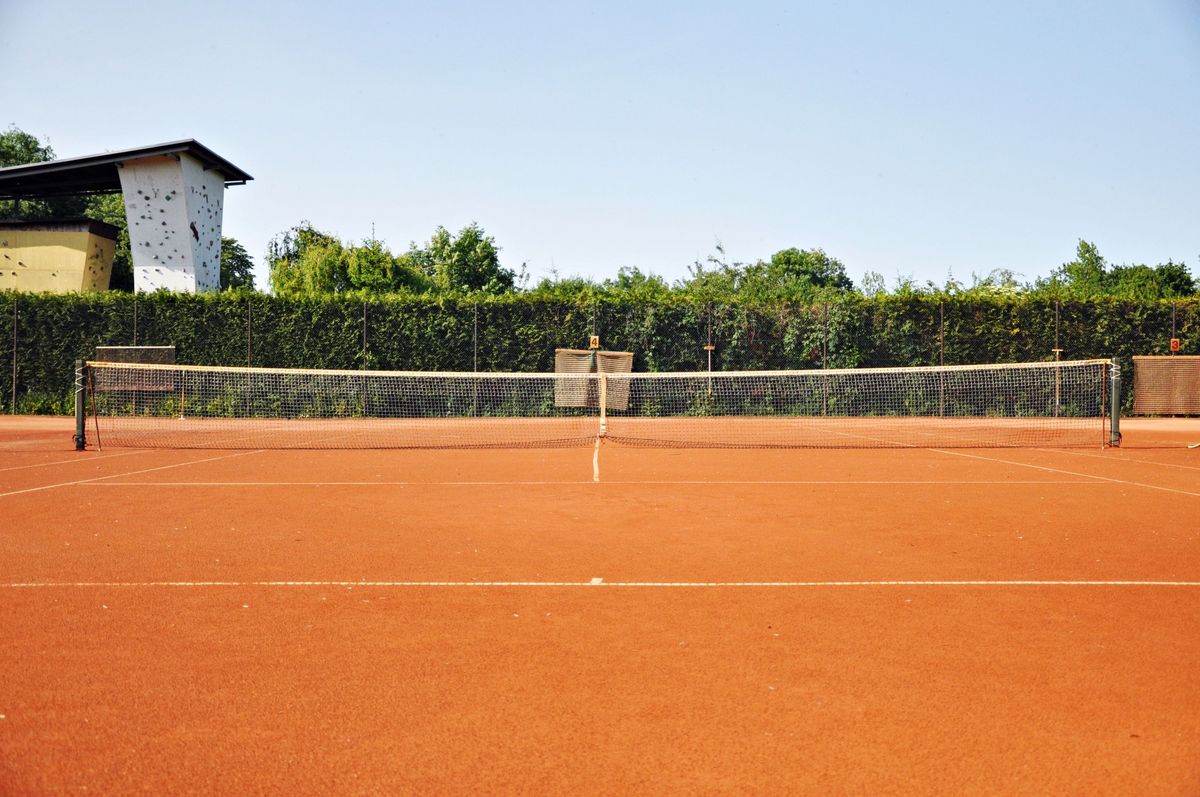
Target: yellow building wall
55, 260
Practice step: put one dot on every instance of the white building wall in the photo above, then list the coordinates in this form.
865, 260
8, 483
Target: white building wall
204, 193
174, 211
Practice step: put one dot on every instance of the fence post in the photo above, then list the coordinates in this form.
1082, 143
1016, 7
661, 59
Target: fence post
13, 409
1114, 437
941, 358
249, 333
80, 406
941, 332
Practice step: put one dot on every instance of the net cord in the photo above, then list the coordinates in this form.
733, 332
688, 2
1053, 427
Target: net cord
920, 369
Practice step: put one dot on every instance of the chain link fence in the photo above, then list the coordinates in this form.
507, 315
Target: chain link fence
44, 334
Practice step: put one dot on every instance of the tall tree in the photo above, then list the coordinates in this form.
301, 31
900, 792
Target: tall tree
1084, 276
110, 208
304, 260
807, 269
469, 261
237, 268
18, 148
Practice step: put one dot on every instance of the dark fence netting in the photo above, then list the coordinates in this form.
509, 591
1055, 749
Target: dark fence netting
41, 335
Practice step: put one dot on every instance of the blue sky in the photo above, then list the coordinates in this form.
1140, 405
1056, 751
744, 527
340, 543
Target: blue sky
911, 139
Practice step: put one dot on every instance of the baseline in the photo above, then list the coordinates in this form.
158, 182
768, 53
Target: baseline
597, 582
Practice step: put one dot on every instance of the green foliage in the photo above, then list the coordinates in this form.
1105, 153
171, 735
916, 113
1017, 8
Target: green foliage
372, 268
519, 331
1089, 276
790, 275
110, 208
469, 261
18, 148
237, 269
306, 261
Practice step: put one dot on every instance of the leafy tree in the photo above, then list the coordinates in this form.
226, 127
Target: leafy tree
873, 284
469, 261
18, 148
110, 208
811, 268
790, 274
1081, 278
304, 260
1088, 276
636, 284
372, 267
237, 268
1175, 280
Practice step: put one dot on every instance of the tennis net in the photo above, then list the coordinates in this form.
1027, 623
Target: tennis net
179, 406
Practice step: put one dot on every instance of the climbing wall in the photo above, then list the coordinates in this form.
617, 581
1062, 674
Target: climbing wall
173, 206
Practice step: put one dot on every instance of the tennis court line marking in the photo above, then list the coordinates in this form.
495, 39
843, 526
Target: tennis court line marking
1069, 472
1121, 459
83, 458
581, 482
129, 473
596, 583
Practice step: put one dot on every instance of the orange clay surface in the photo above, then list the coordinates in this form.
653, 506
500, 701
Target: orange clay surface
999, 621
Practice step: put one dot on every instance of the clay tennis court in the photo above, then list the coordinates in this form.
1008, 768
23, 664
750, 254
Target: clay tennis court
922, 620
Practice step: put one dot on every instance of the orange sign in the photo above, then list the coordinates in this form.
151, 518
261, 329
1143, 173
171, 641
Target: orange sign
1176, 344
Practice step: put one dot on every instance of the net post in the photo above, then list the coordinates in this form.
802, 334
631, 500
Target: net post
603, 405
1114, 404
80, 405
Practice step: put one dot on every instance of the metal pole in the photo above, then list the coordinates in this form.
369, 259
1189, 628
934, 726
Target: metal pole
1057, 381
825, 335
366, 403
1114, 403
135, 319
1173, 352
475, 357
941, 359
13, 408
1057, 345
249, 334
824, 357
80, 406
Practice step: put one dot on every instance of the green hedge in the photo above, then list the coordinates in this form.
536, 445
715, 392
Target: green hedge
520, 332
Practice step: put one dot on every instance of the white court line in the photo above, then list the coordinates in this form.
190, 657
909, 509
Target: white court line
581, 482
1119, 458
593, 584
1068, 472
129, 473
83, 458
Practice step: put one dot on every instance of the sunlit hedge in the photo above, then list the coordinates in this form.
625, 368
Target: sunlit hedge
520, 332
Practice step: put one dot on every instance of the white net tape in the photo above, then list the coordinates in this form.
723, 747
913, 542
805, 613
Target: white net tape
1036, 404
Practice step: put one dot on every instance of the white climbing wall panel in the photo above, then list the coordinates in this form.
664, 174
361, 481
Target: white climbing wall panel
173, 206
